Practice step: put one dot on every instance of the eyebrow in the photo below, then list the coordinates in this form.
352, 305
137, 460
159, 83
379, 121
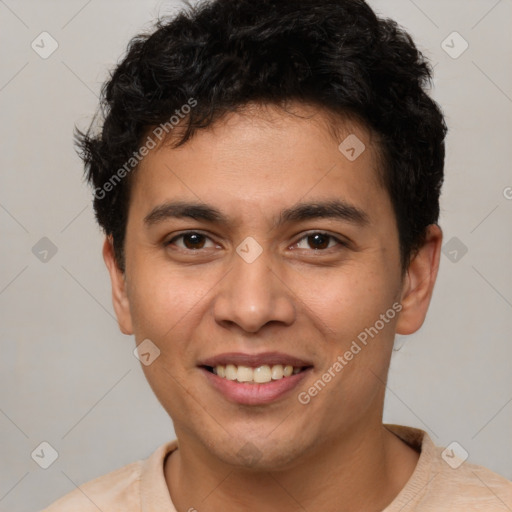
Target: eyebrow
334, 209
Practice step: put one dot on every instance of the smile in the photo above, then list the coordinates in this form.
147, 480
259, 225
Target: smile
254, 379
258, 375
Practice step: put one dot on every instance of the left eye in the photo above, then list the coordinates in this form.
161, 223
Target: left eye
318, 240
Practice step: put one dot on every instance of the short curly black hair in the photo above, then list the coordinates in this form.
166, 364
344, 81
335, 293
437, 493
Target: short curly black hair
224, 54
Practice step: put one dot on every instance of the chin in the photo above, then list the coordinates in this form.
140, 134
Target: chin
259, 453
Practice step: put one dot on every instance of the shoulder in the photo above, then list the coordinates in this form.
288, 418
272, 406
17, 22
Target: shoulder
443, 482
114, 491
470, 486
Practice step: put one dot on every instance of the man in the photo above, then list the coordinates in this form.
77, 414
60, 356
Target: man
268, 177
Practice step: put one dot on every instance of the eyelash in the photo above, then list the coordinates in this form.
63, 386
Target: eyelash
306, 235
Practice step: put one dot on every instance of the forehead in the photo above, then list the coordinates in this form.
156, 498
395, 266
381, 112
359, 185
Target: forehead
263, 157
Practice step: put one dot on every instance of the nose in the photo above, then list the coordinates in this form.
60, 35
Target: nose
252, 294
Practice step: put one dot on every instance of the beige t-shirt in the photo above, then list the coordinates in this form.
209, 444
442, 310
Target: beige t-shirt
433, 486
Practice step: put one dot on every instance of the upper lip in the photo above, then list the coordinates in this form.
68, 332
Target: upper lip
254, 360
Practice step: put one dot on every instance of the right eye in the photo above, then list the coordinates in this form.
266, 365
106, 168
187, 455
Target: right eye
191, 240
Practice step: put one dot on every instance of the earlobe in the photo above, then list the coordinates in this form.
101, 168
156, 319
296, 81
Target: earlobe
119, 296
419, 281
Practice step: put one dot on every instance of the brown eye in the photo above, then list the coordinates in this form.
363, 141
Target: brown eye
190, 241
318, 241
193, 241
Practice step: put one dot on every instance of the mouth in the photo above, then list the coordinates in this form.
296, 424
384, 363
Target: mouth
254, 379
259, 375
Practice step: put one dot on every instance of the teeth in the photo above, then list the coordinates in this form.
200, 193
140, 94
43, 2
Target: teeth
231, 372
244, 374
261, 374
277, 371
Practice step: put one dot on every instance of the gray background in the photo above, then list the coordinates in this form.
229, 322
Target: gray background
69, 377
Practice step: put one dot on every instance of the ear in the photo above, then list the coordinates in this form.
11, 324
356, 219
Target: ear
418, 284
119, 296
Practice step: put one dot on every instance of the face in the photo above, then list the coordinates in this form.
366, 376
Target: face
260, 244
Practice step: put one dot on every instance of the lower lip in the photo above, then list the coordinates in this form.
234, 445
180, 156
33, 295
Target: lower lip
254, 394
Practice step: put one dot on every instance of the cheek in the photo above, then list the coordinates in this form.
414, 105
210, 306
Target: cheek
166, 309
361, 311
345, 301
163, 300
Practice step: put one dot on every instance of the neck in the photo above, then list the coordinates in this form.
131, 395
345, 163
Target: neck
363, 470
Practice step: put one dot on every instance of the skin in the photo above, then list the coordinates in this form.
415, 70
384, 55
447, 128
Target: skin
332, 454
